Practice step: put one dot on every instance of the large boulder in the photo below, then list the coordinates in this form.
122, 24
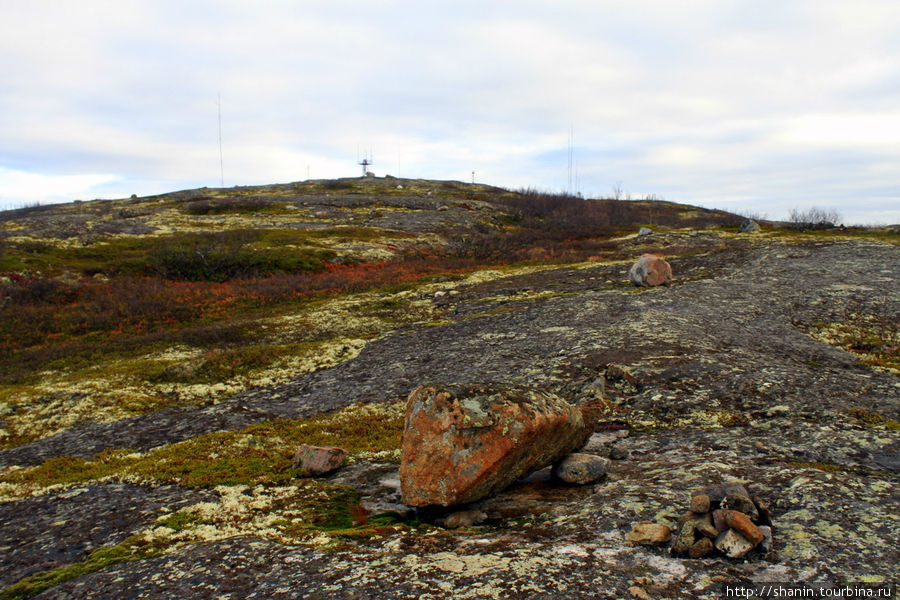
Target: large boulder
464, 443
650, 270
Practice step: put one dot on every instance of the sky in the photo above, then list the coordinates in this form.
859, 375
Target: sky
757, 107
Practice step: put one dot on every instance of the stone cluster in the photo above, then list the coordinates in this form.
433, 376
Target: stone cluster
723, 518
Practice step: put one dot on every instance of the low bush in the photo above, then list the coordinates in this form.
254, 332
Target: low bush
230, 204
813, 218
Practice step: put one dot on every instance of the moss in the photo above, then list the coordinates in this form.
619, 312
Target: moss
828, 467
133, 548
179, 521
873, 418
259, 454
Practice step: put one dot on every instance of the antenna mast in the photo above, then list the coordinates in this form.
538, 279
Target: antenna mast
365, 163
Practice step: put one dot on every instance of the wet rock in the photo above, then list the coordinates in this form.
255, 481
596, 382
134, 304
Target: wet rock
700, 503
732, 544
463, 443
749, 226
581, 468
464, 518
703, 547
743, 525
319, 460
648, 533
650, 270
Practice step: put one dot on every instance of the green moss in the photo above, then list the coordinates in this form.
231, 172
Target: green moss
817, 465
259, 454
179, 521
133, 548
873, 418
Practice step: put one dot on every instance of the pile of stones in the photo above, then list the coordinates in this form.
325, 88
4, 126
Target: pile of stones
723, 518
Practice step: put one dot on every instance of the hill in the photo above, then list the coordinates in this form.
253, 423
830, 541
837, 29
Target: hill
164, 356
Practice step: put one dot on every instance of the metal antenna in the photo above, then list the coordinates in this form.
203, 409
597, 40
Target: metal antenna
571, 155
221, 161
364, 163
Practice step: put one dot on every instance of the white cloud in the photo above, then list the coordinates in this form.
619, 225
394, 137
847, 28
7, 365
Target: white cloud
747, 101
19, 188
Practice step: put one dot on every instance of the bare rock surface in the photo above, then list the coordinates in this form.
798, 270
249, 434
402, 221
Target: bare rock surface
46, 532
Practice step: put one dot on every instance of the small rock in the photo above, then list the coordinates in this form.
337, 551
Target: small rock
732, 544
702, 524
743, 525
648, 533
766, 544
749, 226
701, 548
644, 231
765, 517
581, 468
319, 460
464, 518
718, 517
717, 493
618, 453
639, 592
741, 503
700, 503
618, 372
650, 270
685, 539
599, 442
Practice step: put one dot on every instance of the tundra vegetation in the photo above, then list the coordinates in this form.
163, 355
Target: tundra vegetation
114, 309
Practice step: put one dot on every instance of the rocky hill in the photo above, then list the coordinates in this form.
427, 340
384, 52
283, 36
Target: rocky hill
163, 358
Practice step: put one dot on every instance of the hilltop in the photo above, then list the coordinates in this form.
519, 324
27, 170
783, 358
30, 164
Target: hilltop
163, 356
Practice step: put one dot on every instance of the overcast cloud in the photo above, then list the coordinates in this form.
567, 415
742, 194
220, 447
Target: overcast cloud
750, 106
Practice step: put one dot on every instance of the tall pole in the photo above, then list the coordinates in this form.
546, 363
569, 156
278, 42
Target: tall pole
221, 161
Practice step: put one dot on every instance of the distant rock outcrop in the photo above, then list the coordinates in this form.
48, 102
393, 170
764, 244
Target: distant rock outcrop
463, 443
749, 226
650, 270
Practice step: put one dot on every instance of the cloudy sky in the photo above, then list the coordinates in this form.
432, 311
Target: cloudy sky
757, 105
